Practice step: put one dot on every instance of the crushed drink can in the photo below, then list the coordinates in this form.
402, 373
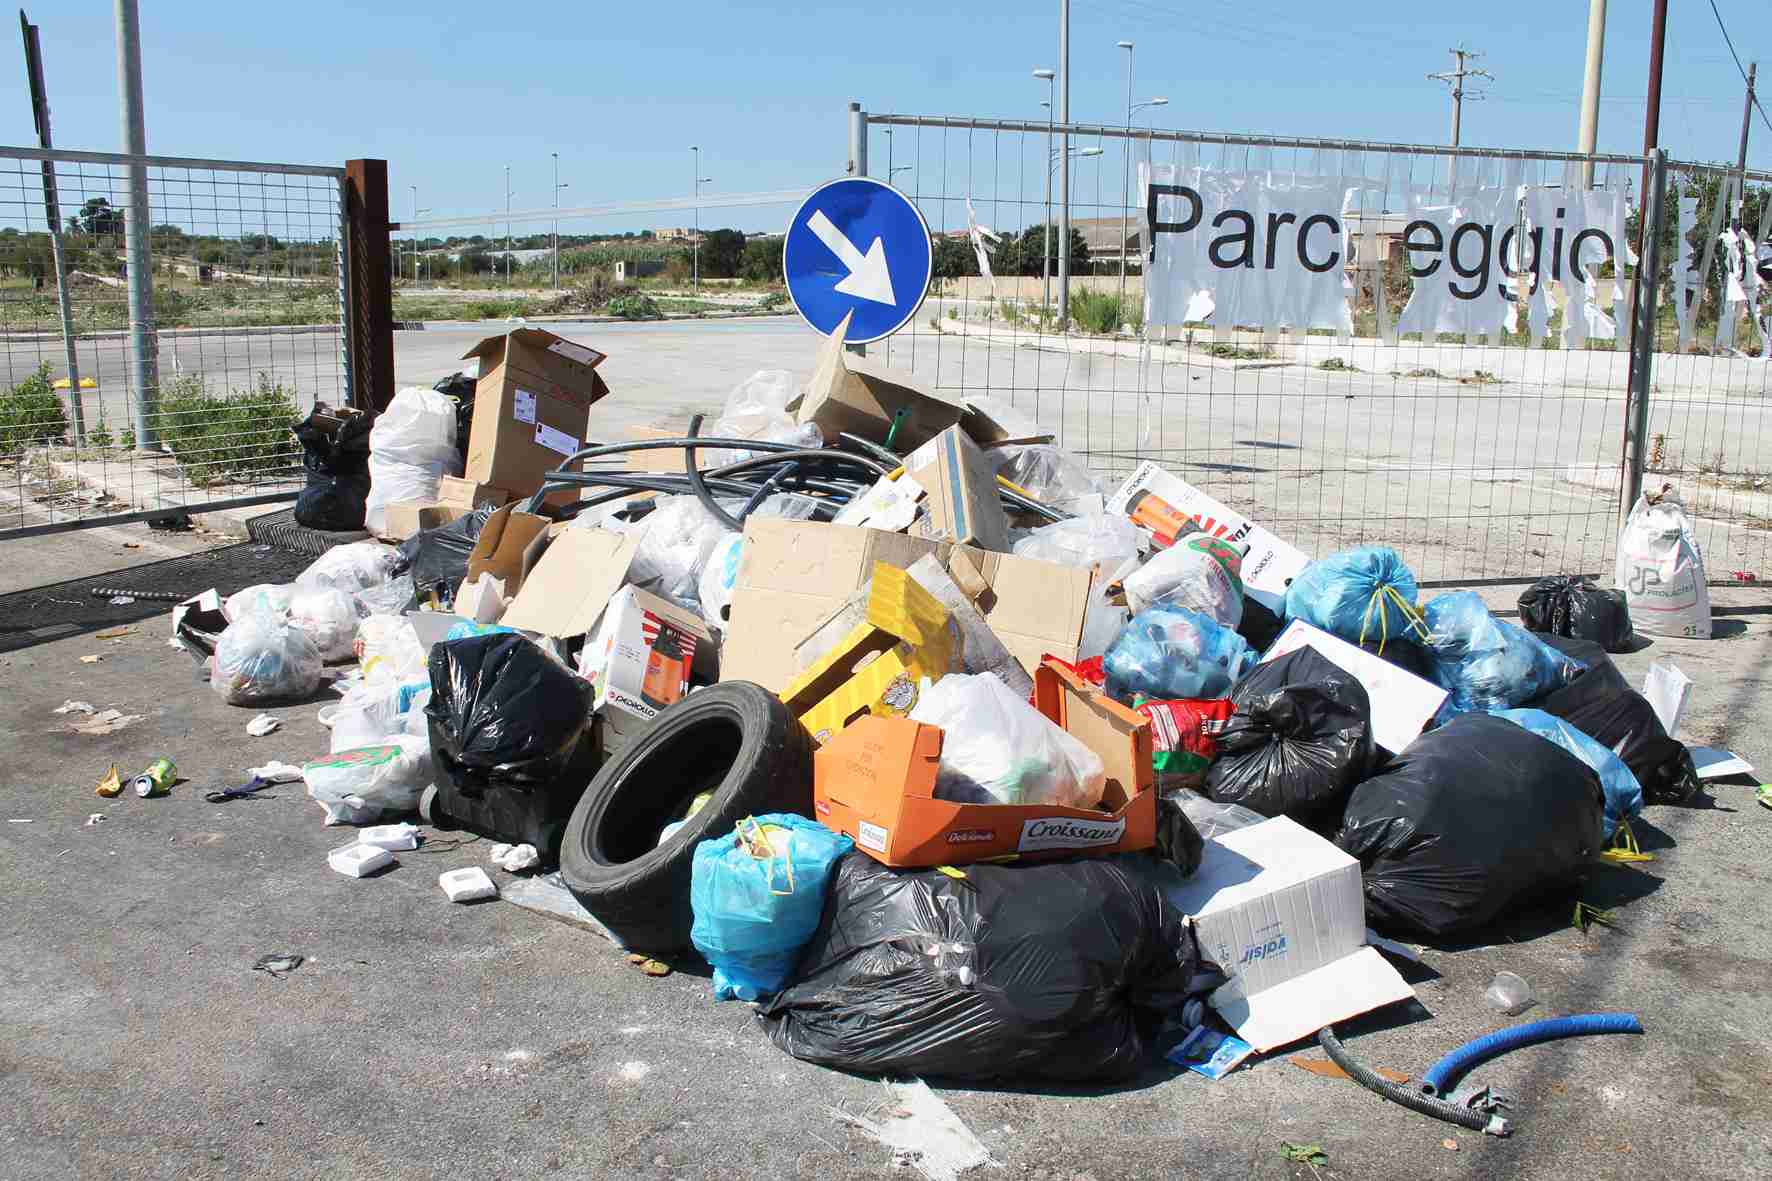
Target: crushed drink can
157, 780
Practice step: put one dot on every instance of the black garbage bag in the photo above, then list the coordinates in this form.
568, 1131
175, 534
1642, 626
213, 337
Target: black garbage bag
1298, 741
1473, 819
460, 387
439, 557
1601, 704
1569, 605
511, 736
335, 454
1259, 625
1058, 970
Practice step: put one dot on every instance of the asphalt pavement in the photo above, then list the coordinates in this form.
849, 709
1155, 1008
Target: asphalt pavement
422, 1039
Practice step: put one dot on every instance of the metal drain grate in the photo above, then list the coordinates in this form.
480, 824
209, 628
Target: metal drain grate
62, 609
280, 529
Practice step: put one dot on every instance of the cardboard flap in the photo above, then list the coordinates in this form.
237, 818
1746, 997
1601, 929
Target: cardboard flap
508, 545
1295, 1009
491, 346
1103, 725
564, 595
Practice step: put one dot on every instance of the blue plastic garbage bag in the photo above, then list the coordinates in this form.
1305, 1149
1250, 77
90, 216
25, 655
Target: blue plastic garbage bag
1359, 594
1170, 652
1485, 663
1624, 795
757, 894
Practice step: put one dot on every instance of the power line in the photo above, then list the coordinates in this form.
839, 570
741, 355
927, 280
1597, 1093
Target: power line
1730, 42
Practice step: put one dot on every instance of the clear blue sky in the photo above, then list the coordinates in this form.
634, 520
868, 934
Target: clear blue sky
449, 92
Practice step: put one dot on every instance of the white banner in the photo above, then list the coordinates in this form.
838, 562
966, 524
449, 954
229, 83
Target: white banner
1264, 248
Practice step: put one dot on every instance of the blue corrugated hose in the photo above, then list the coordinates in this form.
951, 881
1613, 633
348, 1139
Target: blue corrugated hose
1453, 1066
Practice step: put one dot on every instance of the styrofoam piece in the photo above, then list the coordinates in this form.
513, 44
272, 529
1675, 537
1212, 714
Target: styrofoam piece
393, 837
357, 861
467, 885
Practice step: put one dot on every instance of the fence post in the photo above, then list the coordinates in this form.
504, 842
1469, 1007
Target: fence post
1636, 442
144, 337
369, 335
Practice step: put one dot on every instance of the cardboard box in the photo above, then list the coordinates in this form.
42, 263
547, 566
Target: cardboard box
531, 408
472, 494
797, 574
962, 491
643, 651
1280, 909
508, 546
1162, 502
848, 393
876, 782
1402, 703
455, 499
574, 580
875, 668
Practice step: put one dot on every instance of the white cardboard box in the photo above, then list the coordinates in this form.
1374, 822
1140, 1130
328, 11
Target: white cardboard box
1402, 703
1280, 910
641, 654
1270, 564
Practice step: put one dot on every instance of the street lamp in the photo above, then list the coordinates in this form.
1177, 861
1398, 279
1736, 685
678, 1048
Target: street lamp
695, 234
557, 187
1046, 76
1132, 109
892, 172
507, 225
1052, 162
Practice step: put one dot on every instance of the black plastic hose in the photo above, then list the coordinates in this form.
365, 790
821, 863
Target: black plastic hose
1464, 1117
700, 485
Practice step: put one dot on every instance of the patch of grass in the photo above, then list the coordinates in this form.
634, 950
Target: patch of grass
31, 414
1225, 351
218, 439
1336, 365
1097, 311
1480, 377
773, 300
635, 306
1419, 373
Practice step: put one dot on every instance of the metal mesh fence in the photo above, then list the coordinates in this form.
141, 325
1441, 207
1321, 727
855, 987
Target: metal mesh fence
245, 261
1480, 455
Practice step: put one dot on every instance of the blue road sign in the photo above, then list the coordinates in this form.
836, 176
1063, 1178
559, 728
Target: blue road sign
857, 246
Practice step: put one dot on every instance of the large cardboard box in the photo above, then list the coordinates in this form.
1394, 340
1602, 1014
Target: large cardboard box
456, 498
851, 394
962, 491
531, 407
567, 591
1281, 911
876, 781
795, 575
1163, 502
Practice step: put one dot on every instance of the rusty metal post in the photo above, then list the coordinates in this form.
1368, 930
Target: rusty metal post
369, 332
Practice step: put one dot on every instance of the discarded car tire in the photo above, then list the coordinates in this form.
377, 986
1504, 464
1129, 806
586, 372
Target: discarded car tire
736, 739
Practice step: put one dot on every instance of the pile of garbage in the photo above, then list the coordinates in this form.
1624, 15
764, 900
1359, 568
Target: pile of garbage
951, 757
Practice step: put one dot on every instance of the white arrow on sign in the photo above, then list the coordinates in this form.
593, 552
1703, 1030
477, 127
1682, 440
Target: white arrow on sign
868, 277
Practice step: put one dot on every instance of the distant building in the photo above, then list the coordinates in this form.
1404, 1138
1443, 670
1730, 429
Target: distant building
674, 234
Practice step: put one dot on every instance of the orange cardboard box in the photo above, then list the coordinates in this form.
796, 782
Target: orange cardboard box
875, 780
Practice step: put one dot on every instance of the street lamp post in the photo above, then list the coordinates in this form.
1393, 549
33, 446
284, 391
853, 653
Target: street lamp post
1126, 199
695, 234
507, 225
414, 189
1046, 228
557, 187
1064, 163
1057, 158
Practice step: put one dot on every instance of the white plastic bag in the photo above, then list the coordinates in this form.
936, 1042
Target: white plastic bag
998, 749
352, 567
411, 447
262, 659
675, 542
1200, 573
757, 409
266, 598
329, 617
1660, 569
1051, 475
361, 785
370, 714
1103, 541
389, 598
389, 651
